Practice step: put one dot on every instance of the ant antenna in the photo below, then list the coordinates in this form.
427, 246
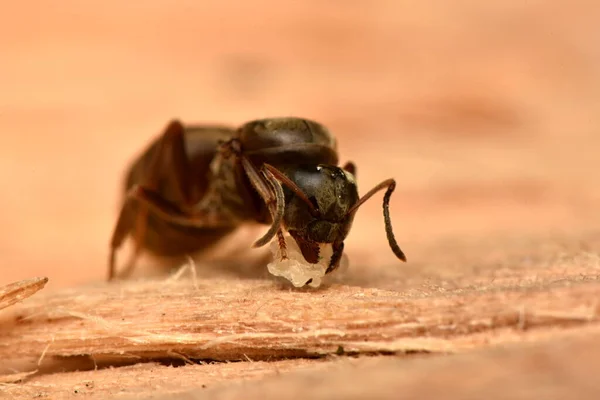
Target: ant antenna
391, 185
276, 213
267, 195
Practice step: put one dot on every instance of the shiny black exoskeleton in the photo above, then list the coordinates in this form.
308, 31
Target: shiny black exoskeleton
195, 184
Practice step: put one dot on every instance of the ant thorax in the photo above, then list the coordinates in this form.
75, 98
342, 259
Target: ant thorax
222, 197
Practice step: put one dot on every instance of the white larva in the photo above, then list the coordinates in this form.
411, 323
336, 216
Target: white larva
296, 269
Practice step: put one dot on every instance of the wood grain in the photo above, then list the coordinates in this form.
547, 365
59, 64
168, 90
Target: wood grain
233, 320
486, 118
263, 323
19, 291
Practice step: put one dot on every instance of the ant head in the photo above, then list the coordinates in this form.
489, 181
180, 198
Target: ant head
318, 210
317, 204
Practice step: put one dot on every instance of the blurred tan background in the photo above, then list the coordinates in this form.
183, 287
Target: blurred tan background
486, 113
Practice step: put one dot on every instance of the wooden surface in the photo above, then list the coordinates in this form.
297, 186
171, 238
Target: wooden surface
267, 328
19, 291
225, 320
485, 113
551, 370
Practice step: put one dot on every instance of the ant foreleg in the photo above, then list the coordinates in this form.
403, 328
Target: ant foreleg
282, 245
273, 198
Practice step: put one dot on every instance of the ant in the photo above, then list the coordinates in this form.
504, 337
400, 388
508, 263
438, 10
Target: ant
195, 184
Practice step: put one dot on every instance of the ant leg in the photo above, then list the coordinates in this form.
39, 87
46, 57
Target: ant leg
122, 229
171, 146
120, 232
277, 211
273, 197
140, 229
282, 245
170, 153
